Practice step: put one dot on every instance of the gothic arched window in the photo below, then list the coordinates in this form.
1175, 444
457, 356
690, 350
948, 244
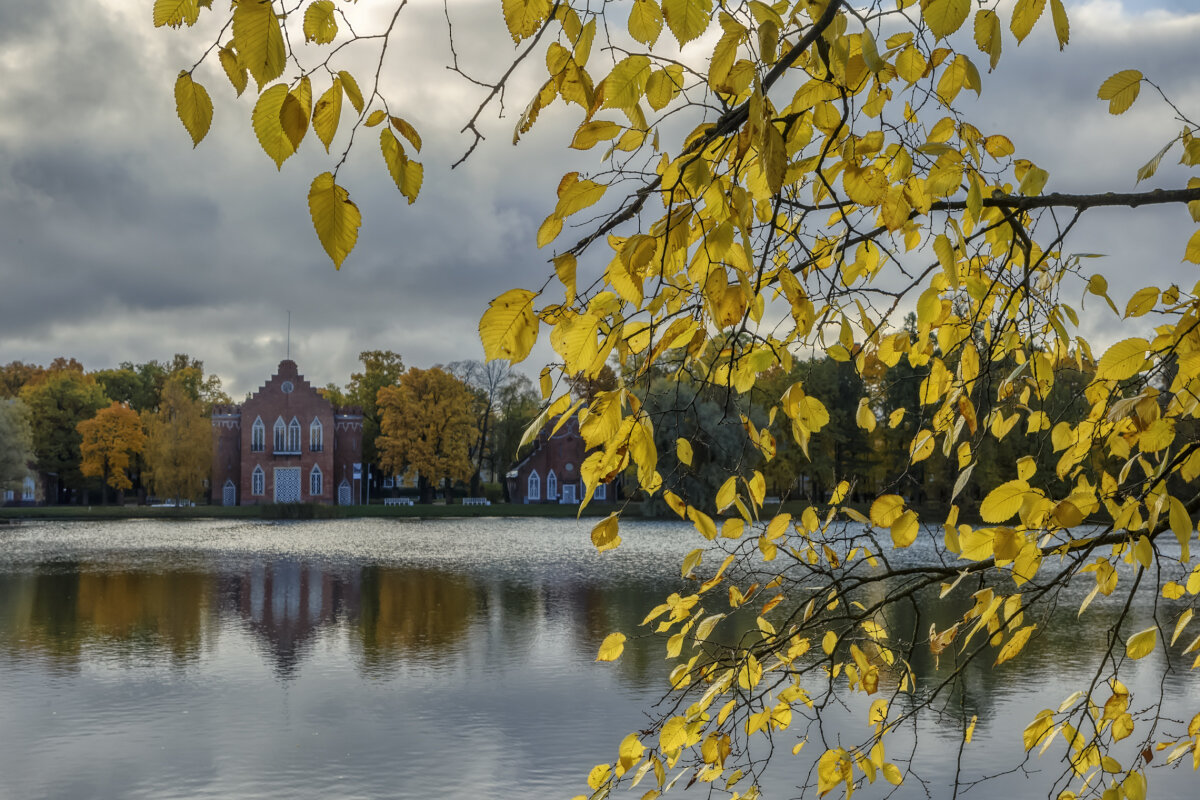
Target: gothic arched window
258, 436
316, 439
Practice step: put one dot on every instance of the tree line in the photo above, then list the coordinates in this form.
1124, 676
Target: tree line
146, 427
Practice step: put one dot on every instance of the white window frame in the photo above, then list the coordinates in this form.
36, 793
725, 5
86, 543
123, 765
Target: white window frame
293, 436
601, 491
315, 482
316, 436
258, 436
389, 483
279, 435
258, 481
551, 486
533, 486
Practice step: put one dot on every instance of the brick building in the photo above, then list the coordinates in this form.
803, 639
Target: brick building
550, 473
286, 444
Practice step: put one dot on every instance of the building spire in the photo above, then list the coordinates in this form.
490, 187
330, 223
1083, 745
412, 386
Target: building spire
289, 335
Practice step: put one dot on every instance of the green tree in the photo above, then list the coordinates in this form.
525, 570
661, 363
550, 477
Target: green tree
381, 368
57, 405
178, 449
428, 427
109, 440
780, 181
16, 443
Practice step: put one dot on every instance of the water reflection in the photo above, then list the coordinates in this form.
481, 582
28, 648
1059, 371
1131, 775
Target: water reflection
370, 659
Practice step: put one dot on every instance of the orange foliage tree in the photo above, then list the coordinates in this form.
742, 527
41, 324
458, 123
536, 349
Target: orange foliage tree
109, 440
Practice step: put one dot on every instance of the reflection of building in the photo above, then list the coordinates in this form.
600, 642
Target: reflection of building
286, 444
550, 473
287, 602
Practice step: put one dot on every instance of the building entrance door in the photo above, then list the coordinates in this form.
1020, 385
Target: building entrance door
287, 484
568, 493
229, 494
344, 493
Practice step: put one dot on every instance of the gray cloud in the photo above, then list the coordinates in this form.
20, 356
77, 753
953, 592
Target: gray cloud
121, 242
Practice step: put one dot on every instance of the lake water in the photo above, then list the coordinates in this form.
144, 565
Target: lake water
406, 659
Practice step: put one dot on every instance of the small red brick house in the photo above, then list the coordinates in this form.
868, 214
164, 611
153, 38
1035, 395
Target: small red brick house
286, 444
550, 472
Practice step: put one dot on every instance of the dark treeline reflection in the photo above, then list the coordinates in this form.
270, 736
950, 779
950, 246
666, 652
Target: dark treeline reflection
65, 614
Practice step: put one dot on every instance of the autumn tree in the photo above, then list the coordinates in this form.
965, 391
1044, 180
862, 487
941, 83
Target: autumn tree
109, 440
57, 404
777, 181
16, 443
178, 448
15, 375
428, 427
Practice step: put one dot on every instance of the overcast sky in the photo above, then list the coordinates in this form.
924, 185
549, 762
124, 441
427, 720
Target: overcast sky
121, 243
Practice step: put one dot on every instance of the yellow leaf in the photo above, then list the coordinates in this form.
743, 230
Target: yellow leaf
611, 647
1141, 643
589, 133
1184, 619
1142, 302
293, 119
687, 19
663, 85
1026, 466
1181, 526
1038, 729
334, 216
1014, 645
407, 174
328, 113
1120, 90
525, 17
1134, 786
691, 561
944, 17
578, 195
194, 107
626, 84
259, 40
320, 24
233, 69
268, 127
905, 529
683, 451
1123, 360
1003, 501
509, 328
174, 13
407, 131
839, 493
987, 34
673, 735
604, 535
645, 21
829, 642
1062, 27
1025, 14
375, 117
886, 510
727, 493
921, 447
1192, 251
350, 86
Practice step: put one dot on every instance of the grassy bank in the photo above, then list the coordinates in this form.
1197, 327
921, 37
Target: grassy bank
296, 511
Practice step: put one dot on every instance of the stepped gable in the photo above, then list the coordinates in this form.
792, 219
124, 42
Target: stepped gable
287, 371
